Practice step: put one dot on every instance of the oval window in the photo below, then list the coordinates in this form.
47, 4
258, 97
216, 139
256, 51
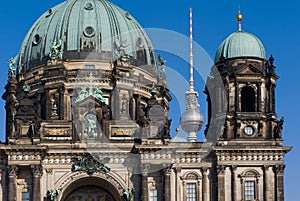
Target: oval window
89, 6
89, 31
37, 39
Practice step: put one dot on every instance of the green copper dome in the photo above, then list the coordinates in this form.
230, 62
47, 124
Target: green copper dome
85, 29
240, 44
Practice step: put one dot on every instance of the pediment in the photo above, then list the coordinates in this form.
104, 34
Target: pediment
90, 100
249, 70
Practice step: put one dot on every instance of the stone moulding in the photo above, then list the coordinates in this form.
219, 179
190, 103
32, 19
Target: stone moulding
113, 178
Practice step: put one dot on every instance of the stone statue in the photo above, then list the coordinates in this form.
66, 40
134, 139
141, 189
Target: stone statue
123, 107
278, 128
90, 126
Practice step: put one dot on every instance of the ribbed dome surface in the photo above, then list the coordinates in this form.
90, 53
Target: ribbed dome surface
78, 27
240, 44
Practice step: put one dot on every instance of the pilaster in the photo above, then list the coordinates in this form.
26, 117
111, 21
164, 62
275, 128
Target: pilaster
279, 169
233, 183
205, 184
221, 182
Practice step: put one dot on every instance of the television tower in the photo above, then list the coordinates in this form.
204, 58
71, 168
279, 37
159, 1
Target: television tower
191, 120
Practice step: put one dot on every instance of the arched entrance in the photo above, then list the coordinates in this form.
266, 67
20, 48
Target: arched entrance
89, 193
91, 189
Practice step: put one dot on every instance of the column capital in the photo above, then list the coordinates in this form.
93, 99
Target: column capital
233, 168
145, 168
279, 169
13, 170
205, 171
37, 170
266, 167
168, 171
49, 171
221, 169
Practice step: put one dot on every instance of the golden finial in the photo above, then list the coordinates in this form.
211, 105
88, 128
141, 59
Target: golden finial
177, 130
239, 18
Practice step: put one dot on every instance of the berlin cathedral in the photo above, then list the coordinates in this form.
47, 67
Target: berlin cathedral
87, 105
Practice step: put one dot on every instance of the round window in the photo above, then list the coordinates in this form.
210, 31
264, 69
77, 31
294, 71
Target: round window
89, 31
37, 39
89, 6
249, 130
127, 15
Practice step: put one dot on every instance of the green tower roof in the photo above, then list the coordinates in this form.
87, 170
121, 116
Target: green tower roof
240, 44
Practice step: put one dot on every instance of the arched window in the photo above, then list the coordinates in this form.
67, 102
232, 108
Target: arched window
191, 183
248, 99
249, 182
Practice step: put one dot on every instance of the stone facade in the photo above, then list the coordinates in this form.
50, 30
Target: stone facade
86, 129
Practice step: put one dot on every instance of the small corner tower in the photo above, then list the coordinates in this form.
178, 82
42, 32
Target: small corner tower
249, 149
191, 120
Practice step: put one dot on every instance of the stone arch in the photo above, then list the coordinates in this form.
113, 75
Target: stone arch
110, 182
192, 176
250, 173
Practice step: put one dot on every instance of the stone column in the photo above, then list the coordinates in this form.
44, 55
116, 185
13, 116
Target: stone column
12, 183
233, 183
280, 182
221, 182
167, 184
37, 172
145, 169
205, 184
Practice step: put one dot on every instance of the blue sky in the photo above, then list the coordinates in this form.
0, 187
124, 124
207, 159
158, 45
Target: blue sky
276, 23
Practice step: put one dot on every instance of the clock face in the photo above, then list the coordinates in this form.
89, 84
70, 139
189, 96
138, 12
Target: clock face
249, 130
